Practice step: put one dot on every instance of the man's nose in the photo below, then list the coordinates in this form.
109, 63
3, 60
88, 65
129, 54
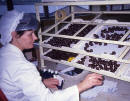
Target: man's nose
34, 37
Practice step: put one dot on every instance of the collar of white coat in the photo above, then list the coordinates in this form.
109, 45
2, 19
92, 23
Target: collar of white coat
15, 50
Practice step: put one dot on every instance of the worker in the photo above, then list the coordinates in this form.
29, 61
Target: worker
19, 78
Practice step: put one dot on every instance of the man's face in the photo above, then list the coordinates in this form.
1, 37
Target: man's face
26, 40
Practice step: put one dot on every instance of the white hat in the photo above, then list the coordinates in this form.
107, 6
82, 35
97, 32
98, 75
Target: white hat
8, 24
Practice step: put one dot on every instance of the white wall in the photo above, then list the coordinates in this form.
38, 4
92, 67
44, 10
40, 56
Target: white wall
3, 9
31, 8
24, 8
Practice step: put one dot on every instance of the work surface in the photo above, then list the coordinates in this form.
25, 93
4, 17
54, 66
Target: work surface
121, 94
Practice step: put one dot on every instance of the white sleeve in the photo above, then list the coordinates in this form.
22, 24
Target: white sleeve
29, 80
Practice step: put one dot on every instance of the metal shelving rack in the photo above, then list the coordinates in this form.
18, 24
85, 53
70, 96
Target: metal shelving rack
42, 45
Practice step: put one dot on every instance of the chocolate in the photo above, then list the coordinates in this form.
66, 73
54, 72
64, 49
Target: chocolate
120, 46
96, 36
72, 29
101, 64
102, 35
86, 30
91, 50
91, 43
113, 53
82, 60
111, 33
105, 44
59, 42
60, 55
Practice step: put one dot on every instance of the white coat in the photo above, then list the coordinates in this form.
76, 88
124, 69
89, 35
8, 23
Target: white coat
20, 80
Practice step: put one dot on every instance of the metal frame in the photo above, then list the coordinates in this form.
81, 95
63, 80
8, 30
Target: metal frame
87, 2
119, 72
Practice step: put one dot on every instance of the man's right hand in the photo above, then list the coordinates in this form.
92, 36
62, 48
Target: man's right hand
90, 80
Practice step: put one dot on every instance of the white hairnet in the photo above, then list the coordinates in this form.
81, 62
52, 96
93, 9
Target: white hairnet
8, 24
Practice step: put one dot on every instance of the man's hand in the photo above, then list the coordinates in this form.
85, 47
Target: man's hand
51, 82
90, 81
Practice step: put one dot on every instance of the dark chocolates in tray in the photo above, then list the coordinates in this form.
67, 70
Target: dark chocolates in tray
100, 64
112, 33
72, 29
60, 55
86, 30
82, 60
59, 42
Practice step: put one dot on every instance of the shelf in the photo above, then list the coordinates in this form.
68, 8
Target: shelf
67, 35
107, 73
